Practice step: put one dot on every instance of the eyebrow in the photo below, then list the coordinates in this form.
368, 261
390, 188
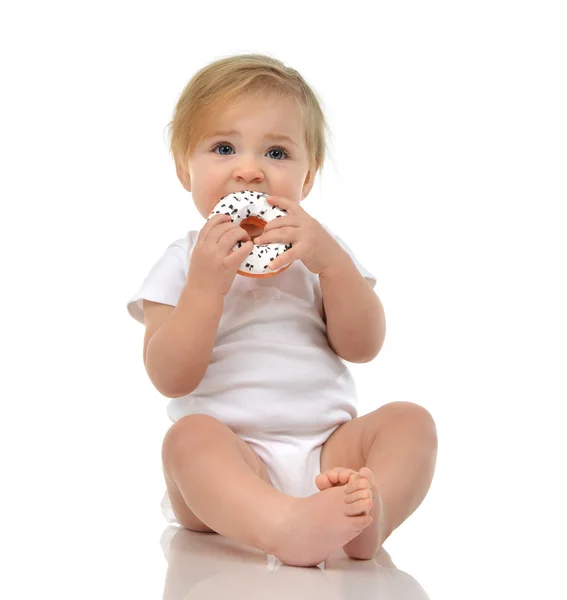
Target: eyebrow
269, 136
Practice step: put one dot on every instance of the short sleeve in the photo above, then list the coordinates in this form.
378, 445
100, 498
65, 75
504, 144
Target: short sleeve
166, 279
365, 272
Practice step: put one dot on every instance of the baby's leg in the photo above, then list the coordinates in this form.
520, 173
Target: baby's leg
217, 483
217, 476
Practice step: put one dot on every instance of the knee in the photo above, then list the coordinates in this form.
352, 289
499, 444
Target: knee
190, 430
415, 415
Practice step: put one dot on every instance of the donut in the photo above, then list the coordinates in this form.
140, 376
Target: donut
252, 208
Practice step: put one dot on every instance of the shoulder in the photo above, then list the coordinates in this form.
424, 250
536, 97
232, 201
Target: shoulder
180, 249
166, 278
336, 237
184, 245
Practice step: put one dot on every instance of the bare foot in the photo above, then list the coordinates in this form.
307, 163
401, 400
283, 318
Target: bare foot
314, 527
367, 543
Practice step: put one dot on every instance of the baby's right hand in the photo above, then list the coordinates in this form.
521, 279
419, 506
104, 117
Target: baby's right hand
213, 264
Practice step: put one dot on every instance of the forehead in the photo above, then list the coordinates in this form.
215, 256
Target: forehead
272, 118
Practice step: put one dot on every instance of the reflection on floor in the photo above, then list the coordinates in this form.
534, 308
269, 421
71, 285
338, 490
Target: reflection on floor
203, 565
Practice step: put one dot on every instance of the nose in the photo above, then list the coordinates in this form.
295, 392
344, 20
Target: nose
248, 170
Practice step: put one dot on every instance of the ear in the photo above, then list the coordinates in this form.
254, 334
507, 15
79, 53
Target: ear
308, 184
183, 176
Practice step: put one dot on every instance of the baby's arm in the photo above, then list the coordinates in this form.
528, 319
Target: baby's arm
354, 315
179, 341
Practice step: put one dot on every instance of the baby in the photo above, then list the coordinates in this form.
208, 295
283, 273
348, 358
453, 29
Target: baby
266, 446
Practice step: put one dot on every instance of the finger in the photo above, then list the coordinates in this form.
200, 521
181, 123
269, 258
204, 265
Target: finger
280, 235
236, 257
282, 260
231, 237
211, 224
216, 235
278, 222
282, 203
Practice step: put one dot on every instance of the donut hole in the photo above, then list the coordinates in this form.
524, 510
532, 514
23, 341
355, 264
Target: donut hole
254, 226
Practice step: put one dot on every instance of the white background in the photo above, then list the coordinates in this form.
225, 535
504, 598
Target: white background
446, 176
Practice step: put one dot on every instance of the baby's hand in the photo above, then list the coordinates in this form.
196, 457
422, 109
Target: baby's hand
213, 264
311, 242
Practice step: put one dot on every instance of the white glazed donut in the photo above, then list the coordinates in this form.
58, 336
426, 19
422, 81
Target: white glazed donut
252, 208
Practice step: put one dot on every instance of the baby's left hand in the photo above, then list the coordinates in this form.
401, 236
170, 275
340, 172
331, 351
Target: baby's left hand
312, 243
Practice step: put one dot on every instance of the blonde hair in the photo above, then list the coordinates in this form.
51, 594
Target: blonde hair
225, 80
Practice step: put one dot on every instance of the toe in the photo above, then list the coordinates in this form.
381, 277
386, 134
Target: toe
366, 473
334, 474
358, 495
352, 484
322, 481
344, 476
356, 482
360, 507
332, 477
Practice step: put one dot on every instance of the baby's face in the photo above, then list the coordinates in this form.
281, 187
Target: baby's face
248, 159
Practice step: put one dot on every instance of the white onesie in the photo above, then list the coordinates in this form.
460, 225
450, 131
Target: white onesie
273, 378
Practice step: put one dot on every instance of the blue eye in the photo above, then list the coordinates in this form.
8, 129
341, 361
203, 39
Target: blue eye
278, 149
221, 146
224, 144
